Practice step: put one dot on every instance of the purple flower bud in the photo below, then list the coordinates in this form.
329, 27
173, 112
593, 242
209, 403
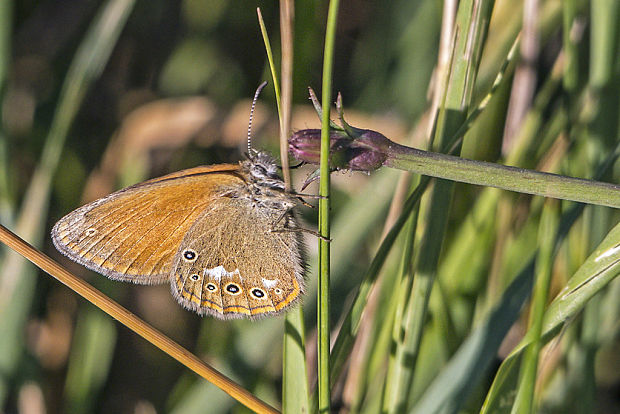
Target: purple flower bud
366, 151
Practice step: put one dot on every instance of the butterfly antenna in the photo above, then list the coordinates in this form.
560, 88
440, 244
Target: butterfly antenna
258, 91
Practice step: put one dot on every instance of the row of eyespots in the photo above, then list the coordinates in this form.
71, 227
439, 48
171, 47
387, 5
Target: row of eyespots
232, 288
235, 289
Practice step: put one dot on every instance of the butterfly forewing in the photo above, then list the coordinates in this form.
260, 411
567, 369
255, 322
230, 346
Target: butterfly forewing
134, 234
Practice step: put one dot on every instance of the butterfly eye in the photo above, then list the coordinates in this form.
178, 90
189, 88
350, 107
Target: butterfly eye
195, 277
189, 255
211, 287
233, 289
258, 293
261, 169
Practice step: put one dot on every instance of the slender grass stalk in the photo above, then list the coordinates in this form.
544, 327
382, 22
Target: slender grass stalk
294, 370
272, 66
601, 267
467, 368
524, 402
504, 177
571, 68
287, 18
323, 322
294, 373
132, 322
398, 356
604, 41
472, 19
91, 355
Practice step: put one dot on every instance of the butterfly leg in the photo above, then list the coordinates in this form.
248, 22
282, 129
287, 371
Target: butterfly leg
301, 230
317, 196
283, 229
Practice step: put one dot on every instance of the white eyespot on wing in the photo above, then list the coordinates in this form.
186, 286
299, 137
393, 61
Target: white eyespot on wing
90, 232
269, 283
190, 255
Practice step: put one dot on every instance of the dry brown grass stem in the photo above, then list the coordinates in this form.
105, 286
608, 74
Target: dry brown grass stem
134, 323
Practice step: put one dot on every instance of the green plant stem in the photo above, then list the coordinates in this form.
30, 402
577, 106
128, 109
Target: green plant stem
398, 361
472, 20
323, 325
544, 263
503, 177
351, 323
294, 370
571, 68
272, 66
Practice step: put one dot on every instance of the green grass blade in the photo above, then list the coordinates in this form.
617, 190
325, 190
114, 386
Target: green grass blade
399, 358
604, 41
272, 65
467, 367
294, 376
351, 323
294, 371
90, 359
524, 402
598, 271
472, 18
323, 322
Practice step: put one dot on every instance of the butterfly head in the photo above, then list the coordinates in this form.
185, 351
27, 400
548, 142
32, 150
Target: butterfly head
262, 170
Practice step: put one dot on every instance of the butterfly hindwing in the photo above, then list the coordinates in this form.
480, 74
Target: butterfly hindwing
232, 264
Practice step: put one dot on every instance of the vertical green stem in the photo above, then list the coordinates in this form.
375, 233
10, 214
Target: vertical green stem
323, 288
524, 402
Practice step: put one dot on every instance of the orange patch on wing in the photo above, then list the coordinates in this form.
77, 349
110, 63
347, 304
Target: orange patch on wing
291, 297
211, 305
259, 310
237, 309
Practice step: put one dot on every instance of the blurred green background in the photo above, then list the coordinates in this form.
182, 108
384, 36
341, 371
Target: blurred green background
175, 92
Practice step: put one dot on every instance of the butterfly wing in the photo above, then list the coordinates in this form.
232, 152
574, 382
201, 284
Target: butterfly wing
134, 234
231, 264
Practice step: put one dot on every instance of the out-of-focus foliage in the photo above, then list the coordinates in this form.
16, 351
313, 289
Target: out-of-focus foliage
175, 93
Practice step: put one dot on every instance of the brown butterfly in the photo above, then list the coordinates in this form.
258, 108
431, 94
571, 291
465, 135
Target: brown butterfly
224, 236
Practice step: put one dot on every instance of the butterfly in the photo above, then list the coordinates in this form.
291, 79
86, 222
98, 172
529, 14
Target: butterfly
224, 236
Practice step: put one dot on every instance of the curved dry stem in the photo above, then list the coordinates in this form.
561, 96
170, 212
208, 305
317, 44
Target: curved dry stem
132, 322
